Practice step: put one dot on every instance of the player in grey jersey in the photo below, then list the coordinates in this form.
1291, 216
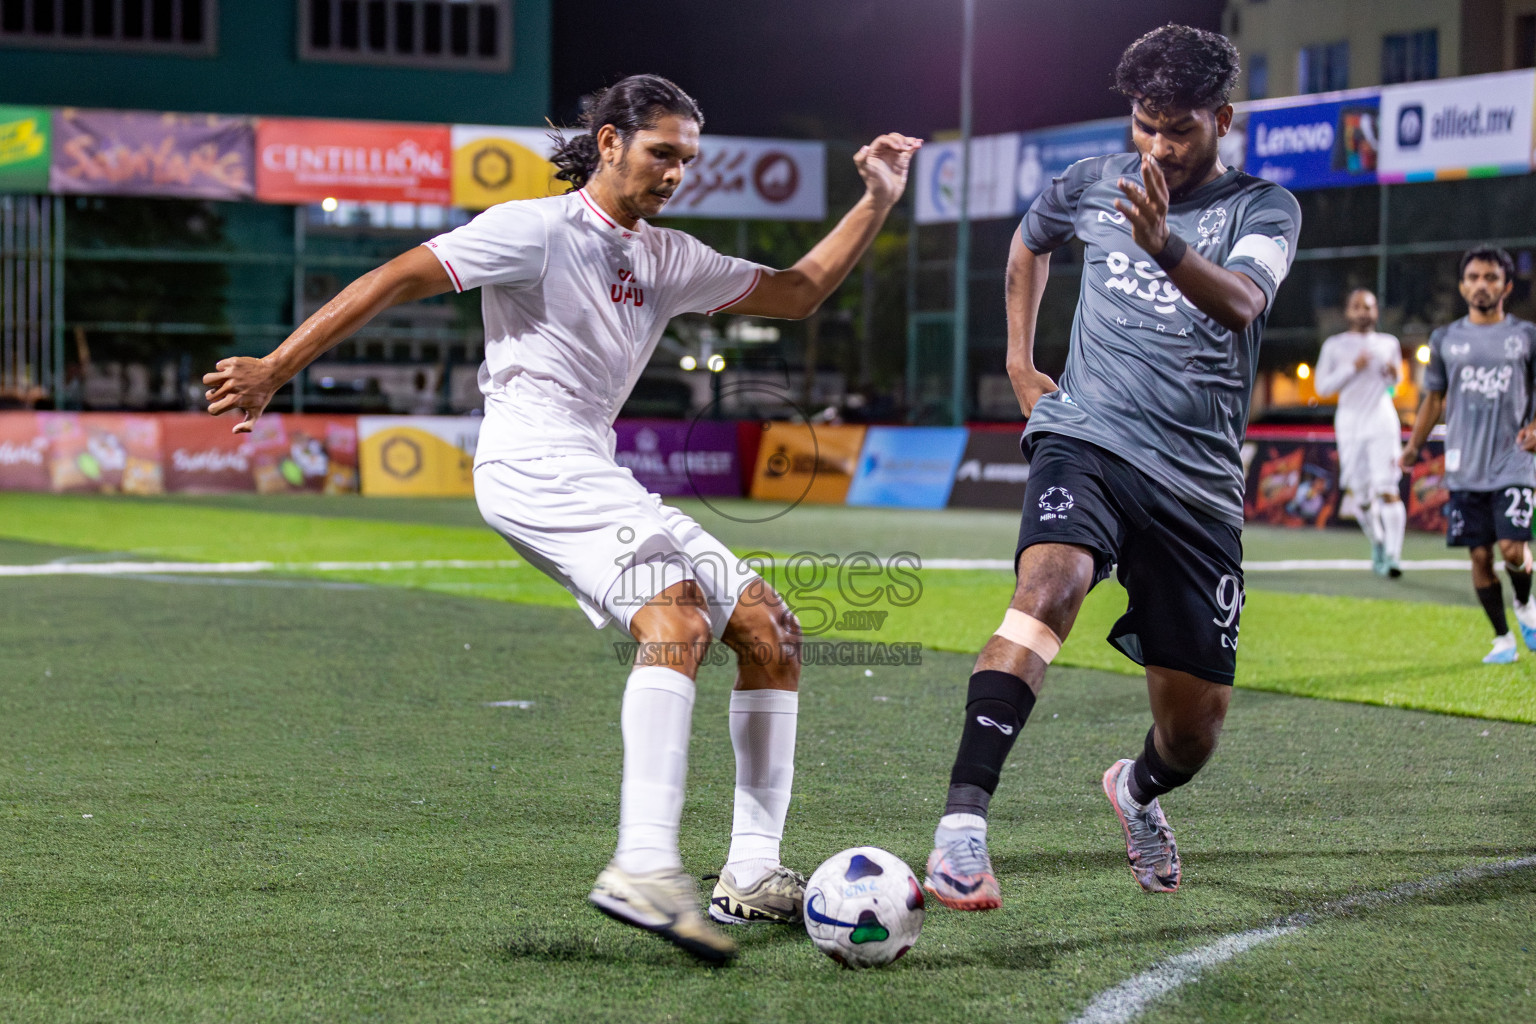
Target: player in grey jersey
1135, 456
1482, 375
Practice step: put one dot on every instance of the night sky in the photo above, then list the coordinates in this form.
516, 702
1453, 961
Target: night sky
854, 68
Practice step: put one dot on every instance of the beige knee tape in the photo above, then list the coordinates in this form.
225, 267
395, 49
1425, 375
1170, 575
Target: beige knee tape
1028, 631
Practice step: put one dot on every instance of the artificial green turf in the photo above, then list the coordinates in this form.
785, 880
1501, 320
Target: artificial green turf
1398, 653
300, 808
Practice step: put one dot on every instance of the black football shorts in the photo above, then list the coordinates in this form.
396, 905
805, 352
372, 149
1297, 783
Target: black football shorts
1182, 569
1475, 519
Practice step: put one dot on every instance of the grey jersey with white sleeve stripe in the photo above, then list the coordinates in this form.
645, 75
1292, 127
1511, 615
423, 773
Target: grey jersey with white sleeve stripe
1150, 377
1486, 372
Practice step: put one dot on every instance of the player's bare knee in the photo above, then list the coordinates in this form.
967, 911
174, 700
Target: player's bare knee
1513, 552
765, 635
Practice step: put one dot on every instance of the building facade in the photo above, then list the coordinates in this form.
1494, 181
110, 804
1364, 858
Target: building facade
1293, 47
464, 61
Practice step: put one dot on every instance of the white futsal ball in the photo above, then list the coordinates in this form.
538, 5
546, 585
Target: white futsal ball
863, 907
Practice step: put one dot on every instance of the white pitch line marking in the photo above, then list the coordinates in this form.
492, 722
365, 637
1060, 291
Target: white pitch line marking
1127, 1000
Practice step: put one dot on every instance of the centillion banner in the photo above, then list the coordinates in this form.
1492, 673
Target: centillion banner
418, 456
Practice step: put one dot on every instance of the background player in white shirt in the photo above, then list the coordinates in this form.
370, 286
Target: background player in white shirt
576, 291
1362, 366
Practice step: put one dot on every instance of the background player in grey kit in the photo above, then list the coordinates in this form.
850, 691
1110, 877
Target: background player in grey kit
1481, 374
1134, 458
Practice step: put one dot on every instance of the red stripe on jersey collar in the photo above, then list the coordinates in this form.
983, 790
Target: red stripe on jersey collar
600, 215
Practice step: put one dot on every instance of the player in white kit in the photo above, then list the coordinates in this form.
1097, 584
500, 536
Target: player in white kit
1362, 366
576, 291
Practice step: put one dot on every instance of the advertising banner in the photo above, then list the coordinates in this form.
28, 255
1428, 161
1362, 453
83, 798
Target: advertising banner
418, 456
102, 452
680, 456
202, 455
907, 467
1044, 155
24, 154
1457, 128
306, 161
139, 153
992, 473
1295, 483
493, 165
1316, 145
798, 462
301, 452
936, 178
1292, 483
1425, 492
754, 179
23, 453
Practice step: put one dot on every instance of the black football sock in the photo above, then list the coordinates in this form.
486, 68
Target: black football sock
997, 705
1151, 776
1519, 582
1492, 598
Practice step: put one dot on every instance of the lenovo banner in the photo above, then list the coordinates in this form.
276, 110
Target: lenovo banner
306, 161
1457, 128
907, 467
1316, 145
754, 179
993, 472
137, 153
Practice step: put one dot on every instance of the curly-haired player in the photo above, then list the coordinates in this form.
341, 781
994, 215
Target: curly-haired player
576, 290
1134, 454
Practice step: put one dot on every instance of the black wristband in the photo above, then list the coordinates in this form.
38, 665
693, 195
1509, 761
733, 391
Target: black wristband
1173, 252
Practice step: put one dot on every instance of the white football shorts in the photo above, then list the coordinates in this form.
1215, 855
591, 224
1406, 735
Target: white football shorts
588, 524
1368, 462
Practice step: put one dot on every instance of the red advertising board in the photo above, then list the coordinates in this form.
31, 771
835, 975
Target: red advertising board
291, 453
23, 453
202, 455
306, 161
103, 452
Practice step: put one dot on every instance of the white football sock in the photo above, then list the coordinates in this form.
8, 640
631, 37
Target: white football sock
1370, 522
656, 719
763, 726
953, 826
1394, 520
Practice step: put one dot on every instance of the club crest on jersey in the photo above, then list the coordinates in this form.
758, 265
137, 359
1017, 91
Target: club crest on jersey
1514, 346
1055, 503
1211, 224
626, 290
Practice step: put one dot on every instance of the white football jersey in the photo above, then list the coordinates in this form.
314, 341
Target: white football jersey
1365, 402
574, 305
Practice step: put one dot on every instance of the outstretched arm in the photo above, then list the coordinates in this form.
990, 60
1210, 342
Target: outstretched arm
798, 292
1226, 296
248, 384
1028, 272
